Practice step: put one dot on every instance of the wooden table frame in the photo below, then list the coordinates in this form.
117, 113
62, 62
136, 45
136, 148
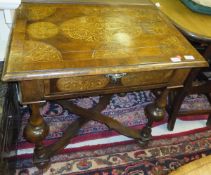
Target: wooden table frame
52, 60
36, 129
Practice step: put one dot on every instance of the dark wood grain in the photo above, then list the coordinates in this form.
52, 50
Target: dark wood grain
62, 40
66, 50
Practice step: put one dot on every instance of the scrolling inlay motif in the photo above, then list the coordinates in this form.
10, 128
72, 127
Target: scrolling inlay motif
42, 30
99, 28
36, 51
143, 78
38, 12
85, 36
82, 83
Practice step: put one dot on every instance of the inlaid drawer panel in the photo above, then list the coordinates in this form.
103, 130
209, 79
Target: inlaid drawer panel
84, 83
146, 78
105, 82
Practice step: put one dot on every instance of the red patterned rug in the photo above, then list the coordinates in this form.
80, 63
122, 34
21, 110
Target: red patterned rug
127, 158
162, 155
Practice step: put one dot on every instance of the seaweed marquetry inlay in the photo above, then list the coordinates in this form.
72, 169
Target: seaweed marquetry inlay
100, 28
62, 51
42, 30
101, 38
144, 78
35, 51
82, 83
38, 12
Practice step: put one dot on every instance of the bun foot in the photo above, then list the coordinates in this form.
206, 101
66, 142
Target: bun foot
143, 144
41, 163
146, 133
145, 136
154, 112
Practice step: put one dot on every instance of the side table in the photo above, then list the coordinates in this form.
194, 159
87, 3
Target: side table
65, 50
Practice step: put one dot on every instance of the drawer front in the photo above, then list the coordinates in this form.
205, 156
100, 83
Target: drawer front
38, 90
146, 78
105, 82
85, 83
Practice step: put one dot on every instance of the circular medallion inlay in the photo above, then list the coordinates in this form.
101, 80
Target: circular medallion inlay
35, 51
39, 12
101, 28
42, 30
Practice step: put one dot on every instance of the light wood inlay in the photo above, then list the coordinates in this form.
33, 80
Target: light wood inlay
42, 30
66, 50
75, 84
144, 78
38, 12
61, 40
36, 52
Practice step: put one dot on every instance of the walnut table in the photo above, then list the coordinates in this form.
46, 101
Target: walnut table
62, 51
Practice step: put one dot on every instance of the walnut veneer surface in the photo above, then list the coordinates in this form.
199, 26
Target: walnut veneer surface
57, 40
60, 51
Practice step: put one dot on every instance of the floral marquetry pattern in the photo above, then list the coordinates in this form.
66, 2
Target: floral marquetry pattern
38, 12
146, 78
42, 30
35, 51
98, 28
82, 83
86, 36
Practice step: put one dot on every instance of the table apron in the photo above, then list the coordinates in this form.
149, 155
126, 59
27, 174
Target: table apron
35, 91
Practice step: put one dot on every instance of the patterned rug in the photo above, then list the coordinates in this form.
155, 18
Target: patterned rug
162, 155
129, 110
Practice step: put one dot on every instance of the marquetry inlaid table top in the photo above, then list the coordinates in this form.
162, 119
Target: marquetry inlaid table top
69, 39
60, 51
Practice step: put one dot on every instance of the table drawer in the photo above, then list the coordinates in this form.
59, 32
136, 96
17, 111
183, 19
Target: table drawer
83, 83
146, 78
105, 82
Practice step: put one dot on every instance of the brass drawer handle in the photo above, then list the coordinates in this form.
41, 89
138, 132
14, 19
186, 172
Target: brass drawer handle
115, 78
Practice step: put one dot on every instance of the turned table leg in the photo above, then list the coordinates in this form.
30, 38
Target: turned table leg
209, 115
35, 131
154, 112
209, 121
177, 101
